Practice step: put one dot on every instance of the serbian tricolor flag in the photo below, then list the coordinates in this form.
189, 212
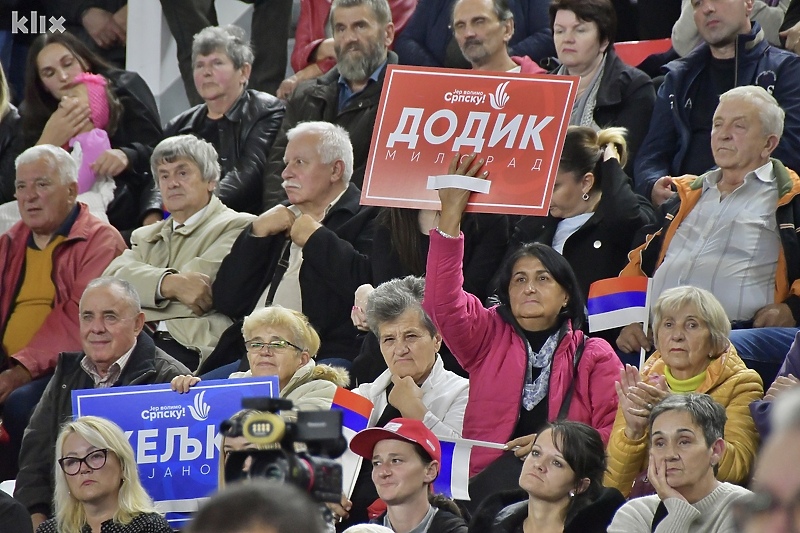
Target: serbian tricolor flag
356, 411
453, 479
617, 302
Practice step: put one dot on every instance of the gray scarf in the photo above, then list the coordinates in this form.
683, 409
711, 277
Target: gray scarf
583, 111
535, 390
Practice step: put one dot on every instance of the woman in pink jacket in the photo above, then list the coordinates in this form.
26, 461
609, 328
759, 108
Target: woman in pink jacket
528, 361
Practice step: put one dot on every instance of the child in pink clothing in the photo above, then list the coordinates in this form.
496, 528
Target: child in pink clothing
93, 141
95, 191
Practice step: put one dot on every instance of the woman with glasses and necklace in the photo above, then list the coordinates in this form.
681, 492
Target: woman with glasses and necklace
97, 488
281, 342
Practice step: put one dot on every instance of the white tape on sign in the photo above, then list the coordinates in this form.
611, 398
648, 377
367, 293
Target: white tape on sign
457, 181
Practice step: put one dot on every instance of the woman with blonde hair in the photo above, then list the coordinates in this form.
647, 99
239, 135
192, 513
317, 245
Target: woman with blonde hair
97, 487
282, 342
693, 354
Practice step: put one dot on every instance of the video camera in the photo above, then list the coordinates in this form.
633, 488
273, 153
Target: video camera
301, 452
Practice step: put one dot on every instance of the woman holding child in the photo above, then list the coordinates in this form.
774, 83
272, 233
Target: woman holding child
53, 114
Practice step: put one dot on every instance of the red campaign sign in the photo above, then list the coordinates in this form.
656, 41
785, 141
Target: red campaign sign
516, 122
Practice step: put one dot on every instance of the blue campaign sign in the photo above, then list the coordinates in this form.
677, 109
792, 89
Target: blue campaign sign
175, 437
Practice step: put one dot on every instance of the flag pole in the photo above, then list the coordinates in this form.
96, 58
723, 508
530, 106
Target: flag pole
646, 325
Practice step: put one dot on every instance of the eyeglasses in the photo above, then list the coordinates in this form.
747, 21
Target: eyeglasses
93, 460
271, 347
755, 512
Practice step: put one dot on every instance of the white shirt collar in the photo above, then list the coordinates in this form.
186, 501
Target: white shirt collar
194, 219
764, 173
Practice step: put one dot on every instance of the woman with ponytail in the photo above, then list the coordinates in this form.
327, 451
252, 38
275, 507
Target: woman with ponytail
594, 212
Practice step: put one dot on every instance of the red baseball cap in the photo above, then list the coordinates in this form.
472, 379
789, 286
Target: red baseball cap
413, 431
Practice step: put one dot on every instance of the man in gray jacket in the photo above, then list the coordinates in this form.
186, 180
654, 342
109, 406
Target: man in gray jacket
115, 353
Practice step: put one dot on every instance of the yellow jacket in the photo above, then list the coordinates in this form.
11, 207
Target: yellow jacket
731, 384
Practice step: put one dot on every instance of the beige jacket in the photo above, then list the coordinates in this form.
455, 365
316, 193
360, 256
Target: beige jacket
157, 250
312, 387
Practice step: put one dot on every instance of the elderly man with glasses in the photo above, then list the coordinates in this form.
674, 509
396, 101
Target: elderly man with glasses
48, 257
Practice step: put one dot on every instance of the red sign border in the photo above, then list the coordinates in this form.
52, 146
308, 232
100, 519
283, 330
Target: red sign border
472, 206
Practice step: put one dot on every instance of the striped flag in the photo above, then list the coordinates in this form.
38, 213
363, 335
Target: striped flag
453, 479
617, 302
356, 411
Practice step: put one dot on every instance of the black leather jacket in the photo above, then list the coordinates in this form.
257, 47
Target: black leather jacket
246, 134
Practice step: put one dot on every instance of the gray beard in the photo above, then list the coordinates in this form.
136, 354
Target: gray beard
360, 68
478, 55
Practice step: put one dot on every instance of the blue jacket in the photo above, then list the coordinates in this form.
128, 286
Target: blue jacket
424, 40
758, 63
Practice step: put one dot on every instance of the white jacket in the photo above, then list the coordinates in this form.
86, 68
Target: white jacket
444, 393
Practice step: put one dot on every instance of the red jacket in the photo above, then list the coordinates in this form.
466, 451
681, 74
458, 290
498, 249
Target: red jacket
84, 254
496, 358
312, 24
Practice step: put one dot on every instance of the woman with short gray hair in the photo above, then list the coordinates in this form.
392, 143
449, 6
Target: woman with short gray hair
240, 123
231, 40
686, 449
693, 354
416, 384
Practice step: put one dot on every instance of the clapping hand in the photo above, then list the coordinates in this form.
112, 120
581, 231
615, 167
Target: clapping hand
637, 398
781, 384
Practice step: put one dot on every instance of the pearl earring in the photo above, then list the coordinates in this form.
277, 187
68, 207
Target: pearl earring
572, 494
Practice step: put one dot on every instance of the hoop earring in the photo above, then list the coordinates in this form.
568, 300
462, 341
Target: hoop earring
585, 197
